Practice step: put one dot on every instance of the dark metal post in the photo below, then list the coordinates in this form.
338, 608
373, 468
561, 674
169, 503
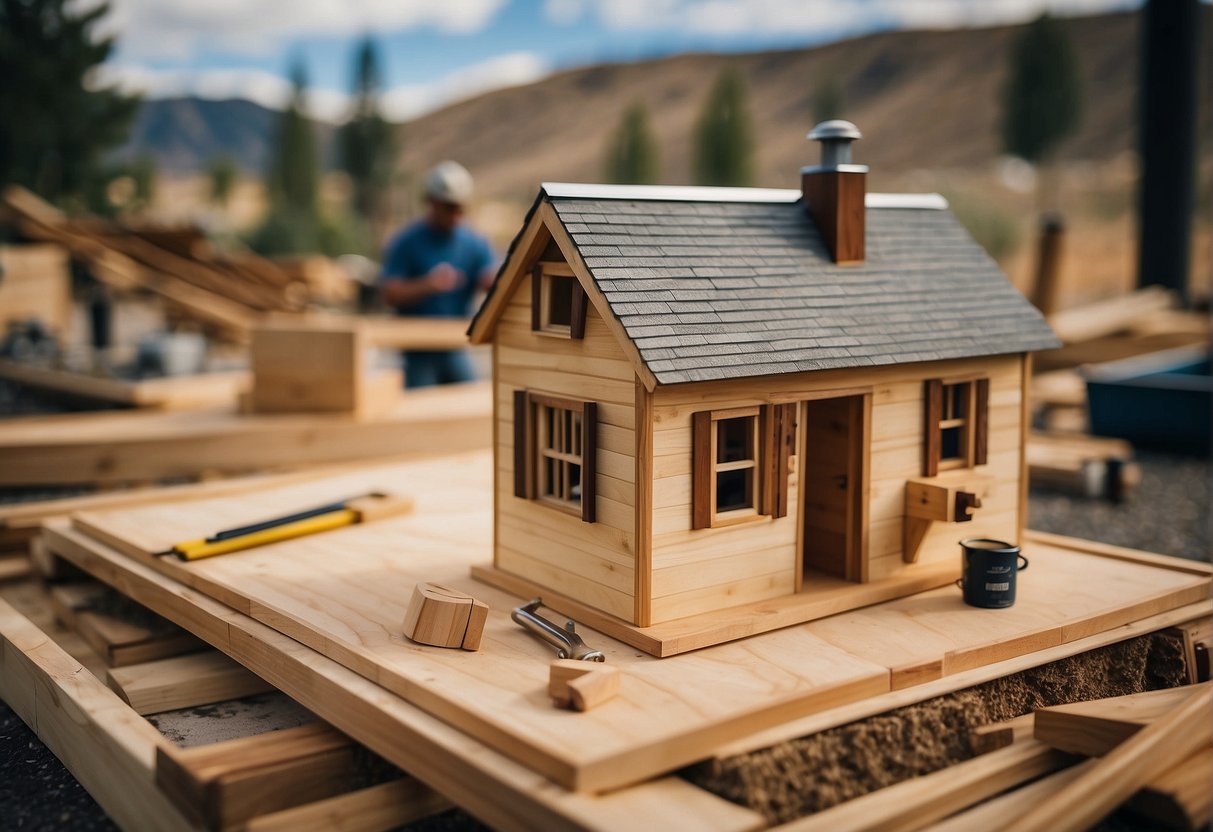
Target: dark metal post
1169, 66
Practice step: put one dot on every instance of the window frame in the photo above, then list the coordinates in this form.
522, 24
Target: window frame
532, 450
973, 423
550, 413
773, 443
543, 279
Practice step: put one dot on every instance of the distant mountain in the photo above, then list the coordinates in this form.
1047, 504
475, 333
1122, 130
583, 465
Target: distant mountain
183, 135
923, 99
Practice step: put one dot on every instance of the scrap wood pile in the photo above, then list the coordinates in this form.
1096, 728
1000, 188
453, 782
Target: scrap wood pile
225, 294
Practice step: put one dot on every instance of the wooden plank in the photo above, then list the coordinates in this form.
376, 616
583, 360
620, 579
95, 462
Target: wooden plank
121, 447
486, 783
382, 807
105, 745
948, 684
183, 682
914, 803
1094, 728
173, 393
994, 814
226, 783
1119, 774
1107, 317
1179, 798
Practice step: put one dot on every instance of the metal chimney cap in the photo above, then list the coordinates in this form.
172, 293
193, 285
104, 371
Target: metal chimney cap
836, 129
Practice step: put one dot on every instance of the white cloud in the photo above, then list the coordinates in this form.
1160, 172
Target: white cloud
510, 70
182, 28
737, 17
269, 90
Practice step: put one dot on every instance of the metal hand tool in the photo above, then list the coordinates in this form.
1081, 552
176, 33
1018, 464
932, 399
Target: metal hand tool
567, 643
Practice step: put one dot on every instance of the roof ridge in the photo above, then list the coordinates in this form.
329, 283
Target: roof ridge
703, 193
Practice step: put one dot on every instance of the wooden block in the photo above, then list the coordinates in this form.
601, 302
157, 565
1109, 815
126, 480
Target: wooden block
986, 738
582, 685
444, 617
36, 285
68, 599
302, 369
229, 782
379, 506
1125, 769
950, 497
15, 566
121, 643
385, 806
183, 682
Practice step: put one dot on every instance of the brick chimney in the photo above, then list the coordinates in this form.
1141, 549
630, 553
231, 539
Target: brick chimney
834, 191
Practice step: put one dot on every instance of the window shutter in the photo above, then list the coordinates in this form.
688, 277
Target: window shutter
701, 470
577, 323
522, 450
932, 440
981, 421
589, 461
536, 298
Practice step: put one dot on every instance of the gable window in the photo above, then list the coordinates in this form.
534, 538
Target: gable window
741, 463
558, 303
555, 450
956, 424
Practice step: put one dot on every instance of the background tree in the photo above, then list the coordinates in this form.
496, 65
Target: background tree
55, 131
292, 181
366, 143
632, 154
1042, 99
722, 135
223, 173
294, 171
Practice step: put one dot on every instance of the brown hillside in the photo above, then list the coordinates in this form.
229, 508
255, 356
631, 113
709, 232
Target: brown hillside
924, 99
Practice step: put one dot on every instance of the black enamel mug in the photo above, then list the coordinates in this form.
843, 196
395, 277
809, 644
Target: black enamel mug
990, 567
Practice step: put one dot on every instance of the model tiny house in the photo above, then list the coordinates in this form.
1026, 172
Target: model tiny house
711, 398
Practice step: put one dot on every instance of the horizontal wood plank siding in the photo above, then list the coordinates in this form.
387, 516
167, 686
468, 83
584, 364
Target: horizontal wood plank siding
698, 570
590, 562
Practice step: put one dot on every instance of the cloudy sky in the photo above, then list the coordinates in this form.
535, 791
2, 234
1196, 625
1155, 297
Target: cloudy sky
438, 51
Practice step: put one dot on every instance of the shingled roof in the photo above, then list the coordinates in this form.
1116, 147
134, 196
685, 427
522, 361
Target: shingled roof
713, 283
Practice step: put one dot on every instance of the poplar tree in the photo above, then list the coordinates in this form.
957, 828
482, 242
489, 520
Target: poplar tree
1042, 99
294, 172
722, 135
366, 141
55, 130
632, 154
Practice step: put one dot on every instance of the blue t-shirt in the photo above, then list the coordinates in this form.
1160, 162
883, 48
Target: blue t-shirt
417, 249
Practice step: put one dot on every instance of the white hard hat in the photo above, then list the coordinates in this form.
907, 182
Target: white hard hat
449, 182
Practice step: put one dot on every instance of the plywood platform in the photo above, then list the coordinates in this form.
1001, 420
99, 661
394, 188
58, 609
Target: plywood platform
344, 595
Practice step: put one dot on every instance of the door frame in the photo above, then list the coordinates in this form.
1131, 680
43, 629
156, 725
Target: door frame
858, 479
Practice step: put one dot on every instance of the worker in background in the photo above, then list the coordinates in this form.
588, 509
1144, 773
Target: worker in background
434, 267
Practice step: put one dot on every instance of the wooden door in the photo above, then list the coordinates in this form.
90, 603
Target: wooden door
832, 502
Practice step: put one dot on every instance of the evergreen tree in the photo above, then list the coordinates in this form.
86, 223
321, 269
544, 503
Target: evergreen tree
632, 155
366, 141
294, 173
1042, 99
223, 172
722, 135
55, 131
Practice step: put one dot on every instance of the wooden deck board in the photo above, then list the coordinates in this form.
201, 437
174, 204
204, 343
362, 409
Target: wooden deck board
344, 593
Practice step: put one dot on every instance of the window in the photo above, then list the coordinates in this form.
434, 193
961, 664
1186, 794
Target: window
956, 424
741, 463
558, 303
555, 452
559, 444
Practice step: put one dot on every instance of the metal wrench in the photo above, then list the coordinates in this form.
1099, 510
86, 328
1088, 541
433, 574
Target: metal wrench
567, 643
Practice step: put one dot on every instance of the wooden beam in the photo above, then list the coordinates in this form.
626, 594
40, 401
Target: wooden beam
1133, 764
386, 806
183, 682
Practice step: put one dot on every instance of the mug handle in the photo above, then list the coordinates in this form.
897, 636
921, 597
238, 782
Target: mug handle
1024, 567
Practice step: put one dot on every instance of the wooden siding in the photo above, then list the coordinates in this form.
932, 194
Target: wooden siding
591, 562
697, 571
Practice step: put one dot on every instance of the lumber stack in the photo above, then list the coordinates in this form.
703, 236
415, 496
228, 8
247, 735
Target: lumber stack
226, 296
